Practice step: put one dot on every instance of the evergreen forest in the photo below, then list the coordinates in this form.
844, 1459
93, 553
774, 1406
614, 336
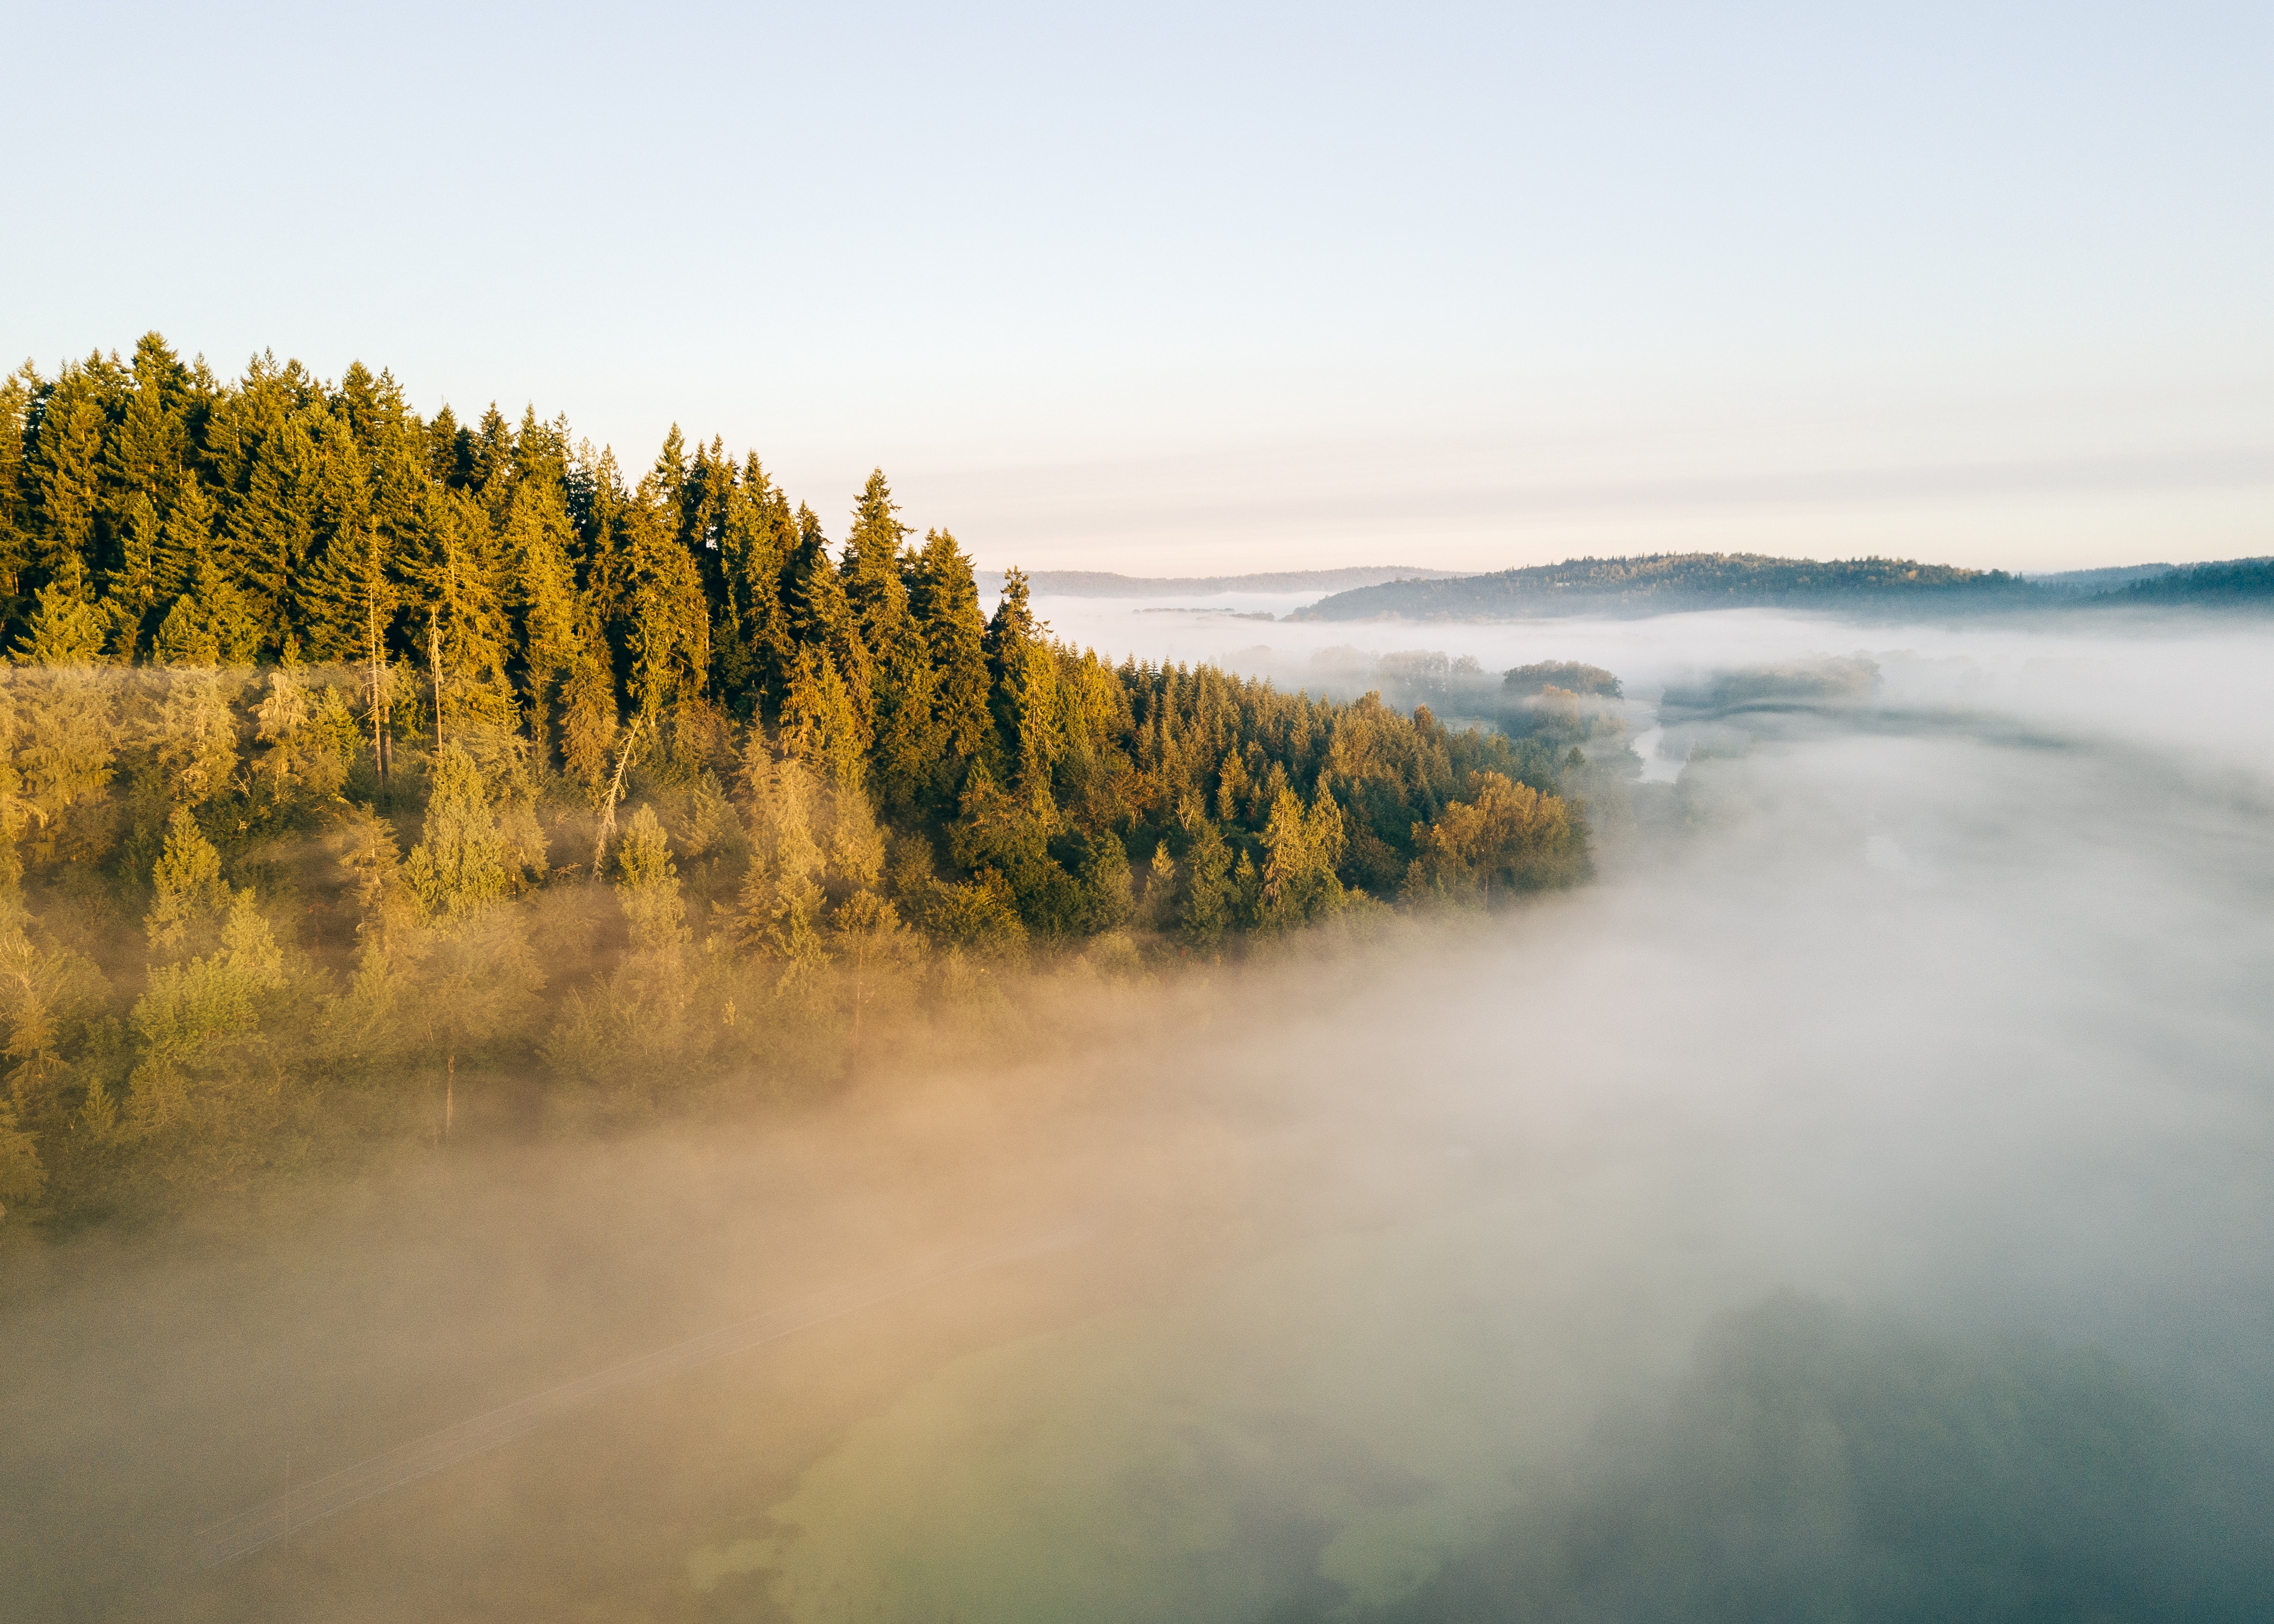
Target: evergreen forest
370, 779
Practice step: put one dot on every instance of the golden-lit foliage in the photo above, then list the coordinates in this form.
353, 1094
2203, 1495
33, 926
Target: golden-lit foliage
372, 780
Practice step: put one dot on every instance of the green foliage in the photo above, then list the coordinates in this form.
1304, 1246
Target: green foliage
459, 868
188, 896
63, 630
1505, 838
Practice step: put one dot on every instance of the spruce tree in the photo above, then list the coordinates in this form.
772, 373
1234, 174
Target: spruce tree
945, 600
821, 616
189, 898
907, 745
538, 541
479, 977
66, 468
18, 392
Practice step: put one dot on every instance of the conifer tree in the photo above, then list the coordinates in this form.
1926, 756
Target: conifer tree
821, 617
22, 1178
480, 979
538, 541
754, 648
310, 736
1160, 900
144, 477
458, 869
943, 598
667, 617
18, 392
1298, 882
189, 897
391, 943
648, 885
1026, 698
1209, 900
781, 902
66, 467
590, 717
457, 567
67, 740
194, 739
198, 1028
905, 741
822, 724
64, 630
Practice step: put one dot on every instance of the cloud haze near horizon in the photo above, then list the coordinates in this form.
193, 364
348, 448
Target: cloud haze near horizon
1192, 288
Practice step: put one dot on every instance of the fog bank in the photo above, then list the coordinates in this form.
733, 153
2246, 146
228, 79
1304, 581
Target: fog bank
1394, 1270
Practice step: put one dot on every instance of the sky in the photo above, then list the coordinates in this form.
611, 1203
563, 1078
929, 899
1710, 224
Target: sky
1181, 290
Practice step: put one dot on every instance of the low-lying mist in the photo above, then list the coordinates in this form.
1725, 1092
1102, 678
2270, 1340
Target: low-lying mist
1855, 1204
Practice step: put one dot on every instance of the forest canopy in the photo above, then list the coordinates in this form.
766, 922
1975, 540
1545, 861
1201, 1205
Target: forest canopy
353, 756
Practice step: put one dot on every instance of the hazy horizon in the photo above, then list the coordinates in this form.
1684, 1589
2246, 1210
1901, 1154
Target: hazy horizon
1243, 288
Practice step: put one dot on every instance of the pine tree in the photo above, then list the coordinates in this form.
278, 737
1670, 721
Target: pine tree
189, 897
145, 475
782, 898
311, 737
755, 650
459, 867
193, 740
211, 624
64, 630
480, 981
667, 617
1210, 898
1299, 883
17, 393
907, 745
590, 717
457, 567
945, 600
538, 539
198, 1029
822, 724
66, 468
1160, 900
1026, 698
821, 618
67, 740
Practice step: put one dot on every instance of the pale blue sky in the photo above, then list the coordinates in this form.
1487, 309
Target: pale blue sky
1187, 288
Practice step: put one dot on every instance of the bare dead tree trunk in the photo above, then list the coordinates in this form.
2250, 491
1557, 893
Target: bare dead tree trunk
434, 657
382, 755
615, 791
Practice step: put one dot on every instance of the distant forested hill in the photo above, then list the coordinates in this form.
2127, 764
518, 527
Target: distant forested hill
2237, 581
1097, 584
1663, 582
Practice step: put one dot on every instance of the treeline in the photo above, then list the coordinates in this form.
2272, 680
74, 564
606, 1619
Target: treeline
1664, 583
2234, 582
360, 766
1661, 583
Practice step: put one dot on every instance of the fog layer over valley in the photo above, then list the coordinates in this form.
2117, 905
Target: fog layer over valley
1854, 1203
